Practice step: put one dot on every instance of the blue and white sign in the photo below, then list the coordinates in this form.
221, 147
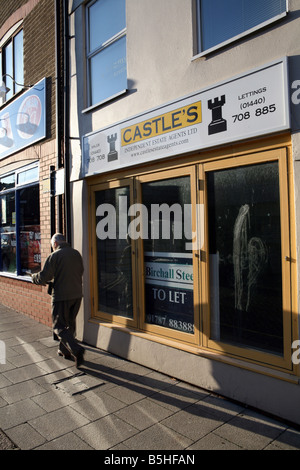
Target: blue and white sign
23, 122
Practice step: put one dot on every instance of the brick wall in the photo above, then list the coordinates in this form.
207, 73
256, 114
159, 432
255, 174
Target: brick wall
20, 295
39, 61
39, 54
31, 300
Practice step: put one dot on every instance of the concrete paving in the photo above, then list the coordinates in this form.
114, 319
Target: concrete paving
114, 405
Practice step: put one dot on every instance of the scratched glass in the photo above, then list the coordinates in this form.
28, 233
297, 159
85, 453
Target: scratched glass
114, 269
245, 257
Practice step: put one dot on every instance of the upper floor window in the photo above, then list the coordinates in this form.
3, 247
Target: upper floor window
220, 22
12, 64
106, 50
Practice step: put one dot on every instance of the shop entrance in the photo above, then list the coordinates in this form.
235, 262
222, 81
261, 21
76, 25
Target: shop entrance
198, 254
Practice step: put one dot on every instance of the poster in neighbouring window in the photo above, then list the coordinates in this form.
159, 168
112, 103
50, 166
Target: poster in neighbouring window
23, 121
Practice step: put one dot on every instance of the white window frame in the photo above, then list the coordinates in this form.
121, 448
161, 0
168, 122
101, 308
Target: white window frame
234, 38
10, 36
93, 53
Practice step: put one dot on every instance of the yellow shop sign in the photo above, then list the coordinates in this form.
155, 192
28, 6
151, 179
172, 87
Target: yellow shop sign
168, 122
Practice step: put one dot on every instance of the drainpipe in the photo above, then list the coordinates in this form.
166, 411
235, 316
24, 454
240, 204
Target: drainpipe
59, 110
68, 231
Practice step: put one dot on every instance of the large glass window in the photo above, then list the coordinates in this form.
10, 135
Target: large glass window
12, 65
245, 256
20, 222
106, 49
200, 254
29, 227
8, 233
168, 260
114, 266
220, 21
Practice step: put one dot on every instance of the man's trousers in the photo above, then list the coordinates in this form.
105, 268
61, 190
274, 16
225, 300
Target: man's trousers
64, 315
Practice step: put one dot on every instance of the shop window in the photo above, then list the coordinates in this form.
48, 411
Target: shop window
20, 223
106, 50
220, 22
248, 257
114, 291
207, 256
245, 251
168, 259
12, 64
29, 229
113, 256
8, 233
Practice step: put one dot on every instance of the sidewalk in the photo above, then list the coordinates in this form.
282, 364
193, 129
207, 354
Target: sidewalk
112, 404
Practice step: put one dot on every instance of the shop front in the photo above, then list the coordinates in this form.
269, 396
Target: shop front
192, 240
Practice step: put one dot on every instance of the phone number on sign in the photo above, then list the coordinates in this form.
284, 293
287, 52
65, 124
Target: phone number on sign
258, 112
162, 320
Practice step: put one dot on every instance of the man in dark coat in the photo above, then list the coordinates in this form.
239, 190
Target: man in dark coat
64, 269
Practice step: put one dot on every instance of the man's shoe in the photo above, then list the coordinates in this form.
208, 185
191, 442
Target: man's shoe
65, 356
79, 359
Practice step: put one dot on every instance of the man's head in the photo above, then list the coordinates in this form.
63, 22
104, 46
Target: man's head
57, 240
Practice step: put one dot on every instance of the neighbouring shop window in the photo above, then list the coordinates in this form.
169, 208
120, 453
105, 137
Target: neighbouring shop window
220, 21
8, 233
20, 222
106, 49
29, 226
12, 65
169, 300
245, 256
114, 266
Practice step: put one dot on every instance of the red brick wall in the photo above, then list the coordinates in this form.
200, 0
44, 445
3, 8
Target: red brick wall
24, 296
39, 61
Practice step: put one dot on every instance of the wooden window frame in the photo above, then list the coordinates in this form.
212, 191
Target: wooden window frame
156, 329
257, 356
197, 167
98, 314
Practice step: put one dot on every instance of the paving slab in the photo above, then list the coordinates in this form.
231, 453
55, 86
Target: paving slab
115, 405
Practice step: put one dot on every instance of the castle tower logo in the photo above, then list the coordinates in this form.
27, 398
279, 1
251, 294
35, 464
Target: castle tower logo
112, 154
218, 123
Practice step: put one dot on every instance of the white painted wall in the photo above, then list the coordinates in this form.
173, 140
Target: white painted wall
161, 69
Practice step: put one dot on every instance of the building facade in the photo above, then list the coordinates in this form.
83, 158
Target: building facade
184, 173
30, 147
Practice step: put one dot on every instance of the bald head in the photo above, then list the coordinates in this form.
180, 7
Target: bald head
57, 239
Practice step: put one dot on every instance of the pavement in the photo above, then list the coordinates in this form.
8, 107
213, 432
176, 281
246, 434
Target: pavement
114, 405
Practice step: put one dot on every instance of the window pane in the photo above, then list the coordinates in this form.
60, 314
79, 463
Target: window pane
222, 20
106, 19
8, 69
245, 257
18, 61
7, 182
1, 75
168, 264
114, 253
8, 233
30, 235
28, 176
108, 72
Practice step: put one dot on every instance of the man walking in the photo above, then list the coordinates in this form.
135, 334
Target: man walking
64, 269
